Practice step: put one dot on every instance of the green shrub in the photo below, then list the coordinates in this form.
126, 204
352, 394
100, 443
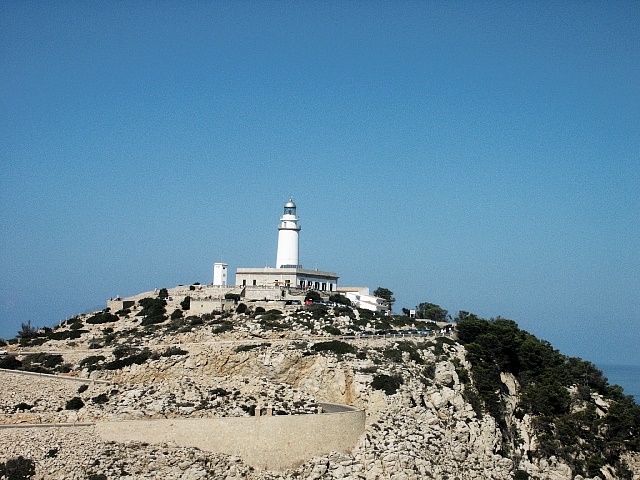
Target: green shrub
83, 388
91, 362
173, 351
18, 468
100, 399
250, 346
176, 314
75, 403
340, 299
225, 326
10, 362
241, 308
137, 358
102, 317
335, 346
153, 311
44, 359
22, 406
388, 384
330, 329
186, 303
232, 296
97, 476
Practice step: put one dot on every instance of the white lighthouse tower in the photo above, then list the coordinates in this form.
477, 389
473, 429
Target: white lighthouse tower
288, 232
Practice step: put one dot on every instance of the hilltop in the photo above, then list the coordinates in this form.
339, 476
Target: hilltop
487, 400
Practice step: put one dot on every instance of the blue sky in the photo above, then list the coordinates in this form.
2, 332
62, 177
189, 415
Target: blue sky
482, 156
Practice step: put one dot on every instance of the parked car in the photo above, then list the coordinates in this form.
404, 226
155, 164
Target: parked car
4, 352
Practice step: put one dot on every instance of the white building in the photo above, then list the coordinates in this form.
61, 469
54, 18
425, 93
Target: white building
220, 274
361, 298
288, 272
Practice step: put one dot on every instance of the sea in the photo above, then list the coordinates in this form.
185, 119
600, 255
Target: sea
627, 376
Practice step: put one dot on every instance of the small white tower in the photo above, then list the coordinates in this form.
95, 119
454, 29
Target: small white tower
220, 274
288, 232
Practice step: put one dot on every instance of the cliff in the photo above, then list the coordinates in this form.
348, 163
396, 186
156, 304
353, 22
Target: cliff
430, 411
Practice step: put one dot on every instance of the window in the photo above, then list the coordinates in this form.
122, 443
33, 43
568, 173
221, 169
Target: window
244, 283
255, 282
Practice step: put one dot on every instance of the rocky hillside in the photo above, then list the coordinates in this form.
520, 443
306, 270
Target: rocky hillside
488, 402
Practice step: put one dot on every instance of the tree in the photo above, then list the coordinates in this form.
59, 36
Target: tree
386, 294
164, 293
314, 296
28, 331
341, 299
186, 303
431, 311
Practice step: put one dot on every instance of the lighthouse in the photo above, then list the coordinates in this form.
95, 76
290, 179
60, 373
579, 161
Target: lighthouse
288, 232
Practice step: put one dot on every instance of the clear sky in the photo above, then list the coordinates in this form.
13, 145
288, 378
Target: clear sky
484, 156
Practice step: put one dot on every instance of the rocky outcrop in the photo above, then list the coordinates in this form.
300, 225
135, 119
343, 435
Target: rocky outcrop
424, 426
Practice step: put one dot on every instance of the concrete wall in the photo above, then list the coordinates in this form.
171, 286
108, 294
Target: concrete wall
270, 443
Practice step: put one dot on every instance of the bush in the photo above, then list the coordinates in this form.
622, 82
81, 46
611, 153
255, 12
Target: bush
137, 359
75, 403
232, 296
389, 384
250, 346
340, 299
176, 314
335, 346
225, 326
102, 317
100, 399
241, 308
313, 296
44, 359
91, 362
83, 388
153, 310
10, 362
186, 303
330, 329
19, 468
23, 406
173, 351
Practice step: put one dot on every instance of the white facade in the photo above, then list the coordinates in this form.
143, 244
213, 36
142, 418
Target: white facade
288, 232
220, 274
361, 298
288, 278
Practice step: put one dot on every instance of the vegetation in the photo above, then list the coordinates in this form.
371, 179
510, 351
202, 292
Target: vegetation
567, 425
153, 311
432, 312
386, 294
335, 346
18, 468
173, 350
388, 384
102, 317
313, 296
186, 303
27, 330
340, 299
75, 403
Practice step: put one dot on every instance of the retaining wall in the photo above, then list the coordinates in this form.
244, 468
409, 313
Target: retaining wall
270, 443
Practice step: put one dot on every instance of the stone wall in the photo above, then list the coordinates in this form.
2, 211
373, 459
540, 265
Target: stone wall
271, 442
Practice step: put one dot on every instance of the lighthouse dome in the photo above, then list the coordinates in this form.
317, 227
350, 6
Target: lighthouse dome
290, 204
